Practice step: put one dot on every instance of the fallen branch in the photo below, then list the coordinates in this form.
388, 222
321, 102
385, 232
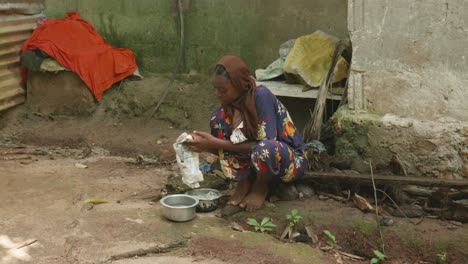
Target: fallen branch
16, 157
395, 204
350, 255
311, 176
334, 197
163, 248
24, 151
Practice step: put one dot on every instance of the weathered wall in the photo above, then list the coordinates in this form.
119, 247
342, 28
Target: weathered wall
252, 29
410, 57
408, 87
425, 148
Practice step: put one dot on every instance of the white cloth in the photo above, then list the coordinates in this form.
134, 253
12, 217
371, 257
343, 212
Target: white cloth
237, 136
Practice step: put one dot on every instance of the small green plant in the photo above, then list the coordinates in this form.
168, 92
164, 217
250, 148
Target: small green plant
442, 257
379, 257
330, 236
294, 217
265, 225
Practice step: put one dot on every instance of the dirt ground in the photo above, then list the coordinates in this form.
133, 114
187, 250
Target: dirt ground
43, 194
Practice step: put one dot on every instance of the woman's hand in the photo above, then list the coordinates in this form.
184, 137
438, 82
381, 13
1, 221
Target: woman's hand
201, 142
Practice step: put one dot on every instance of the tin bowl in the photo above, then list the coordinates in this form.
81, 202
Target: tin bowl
179, 207
208, 199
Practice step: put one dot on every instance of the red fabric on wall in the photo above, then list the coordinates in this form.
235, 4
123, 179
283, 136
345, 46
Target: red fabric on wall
74, 43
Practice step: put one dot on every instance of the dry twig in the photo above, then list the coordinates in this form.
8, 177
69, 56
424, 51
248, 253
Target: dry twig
377, 207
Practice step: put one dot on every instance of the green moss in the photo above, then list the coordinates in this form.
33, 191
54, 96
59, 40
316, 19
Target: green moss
296, 253
352, 137
441, 246
365, 226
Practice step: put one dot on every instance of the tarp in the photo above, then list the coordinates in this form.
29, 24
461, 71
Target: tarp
74, 43
275, 69
311, 57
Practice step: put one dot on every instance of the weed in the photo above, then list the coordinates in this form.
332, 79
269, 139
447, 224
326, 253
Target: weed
265, 225
379, 257
442, 257
330, 236
294, 217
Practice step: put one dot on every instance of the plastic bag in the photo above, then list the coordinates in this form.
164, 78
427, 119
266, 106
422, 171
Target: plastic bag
188, 162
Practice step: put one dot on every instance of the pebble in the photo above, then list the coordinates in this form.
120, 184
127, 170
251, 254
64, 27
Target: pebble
306, 190
287, 193
322, 197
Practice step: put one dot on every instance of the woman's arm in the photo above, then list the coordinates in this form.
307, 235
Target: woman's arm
202, 142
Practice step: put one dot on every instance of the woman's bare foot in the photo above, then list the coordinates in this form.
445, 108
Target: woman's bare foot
241, 191
257, 195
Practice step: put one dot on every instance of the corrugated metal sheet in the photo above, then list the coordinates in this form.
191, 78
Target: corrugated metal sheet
15, 28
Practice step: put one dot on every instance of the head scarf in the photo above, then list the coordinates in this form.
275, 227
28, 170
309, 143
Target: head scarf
240, 78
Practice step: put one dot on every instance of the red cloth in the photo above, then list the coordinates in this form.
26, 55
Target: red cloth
74, 43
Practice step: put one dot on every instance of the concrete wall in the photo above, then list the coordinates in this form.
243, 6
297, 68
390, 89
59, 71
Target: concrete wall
408, 87
410, 57
252, 29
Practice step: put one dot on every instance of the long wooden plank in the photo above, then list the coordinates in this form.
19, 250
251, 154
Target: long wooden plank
384, 179
292, 90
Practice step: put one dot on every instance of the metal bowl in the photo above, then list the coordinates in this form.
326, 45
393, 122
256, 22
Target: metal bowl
179, 207
208, 199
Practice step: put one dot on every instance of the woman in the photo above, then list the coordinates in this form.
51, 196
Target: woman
252, 133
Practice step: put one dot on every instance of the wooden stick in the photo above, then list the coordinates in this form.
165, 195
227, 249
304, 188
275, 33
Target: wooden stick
311, 176
163, 248
377, 219
24, 151
15, 157
27, 243
313, 127
350, 255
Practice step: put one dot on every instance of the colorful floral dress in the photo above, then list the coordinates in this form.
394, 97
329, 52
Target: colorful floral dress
279, 152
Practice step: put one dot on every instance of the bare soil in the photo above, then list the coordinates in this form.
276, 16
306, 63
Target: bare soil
357, 232
219, 249
45, 187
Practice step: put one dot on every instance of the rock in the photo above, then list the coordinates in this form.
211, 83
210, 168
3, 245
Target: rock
86, 152
387, 221
212, 181
175, 185
273, 198
235, 226
287, 192
98, 151
341, 164
306, 190
81, 166
322, 197
410, 211
229, 210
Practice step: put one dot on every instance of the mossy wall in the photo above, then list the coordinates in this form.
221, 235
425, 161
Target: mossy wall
251, 29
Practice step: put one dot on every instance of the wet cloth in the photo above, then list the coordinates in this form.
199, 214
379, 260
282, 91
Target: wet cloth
74, 44
279, 152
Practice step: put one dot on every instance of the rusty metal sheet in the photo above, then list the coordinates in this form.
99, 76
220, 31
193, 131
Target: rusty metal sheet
17, 21
25, 7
